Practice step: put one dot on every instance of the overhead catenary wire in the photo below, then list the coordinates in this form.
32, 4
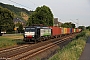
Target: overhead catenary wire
24, 5
76, 22
20, 4
33, 3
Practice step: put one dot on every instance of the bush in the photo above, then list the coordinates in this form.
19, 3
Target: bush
81, 35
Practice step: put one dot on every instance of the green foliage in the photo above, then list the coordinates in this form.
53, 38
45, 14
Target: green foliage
88, 28
38, 58
6, 19
16, 10
82, 27
17, 24
68, 25
80, 35
20, 29
72, 51
42, 15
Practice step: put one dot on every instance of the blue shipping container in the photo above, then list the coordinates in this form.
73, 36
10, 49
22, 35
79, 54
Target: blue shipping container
70, 30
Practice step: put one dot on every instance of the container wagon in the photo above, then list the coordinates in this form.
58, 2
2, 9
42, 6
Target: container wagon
68, 30
56, 31
65, 30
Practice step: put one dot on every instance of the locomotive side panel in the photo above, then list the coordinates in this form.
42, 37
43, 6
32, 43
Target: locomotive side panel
45, 32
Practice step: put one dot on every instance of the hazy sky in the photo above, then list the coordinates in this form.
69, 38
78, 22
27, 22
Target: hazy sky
64, 10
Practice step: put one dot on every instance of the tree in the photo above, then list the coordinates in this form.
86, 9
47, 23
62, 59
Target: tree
68, 25
20, 29
6, 19
42, 15
88, 27
82, 27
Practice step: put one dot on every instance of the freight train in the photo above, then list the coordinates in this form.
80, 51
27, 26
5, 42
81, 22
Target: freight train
40, 33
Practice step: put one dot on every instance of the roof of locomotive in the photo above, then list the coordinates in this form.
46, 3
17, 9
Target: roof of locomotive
38, 27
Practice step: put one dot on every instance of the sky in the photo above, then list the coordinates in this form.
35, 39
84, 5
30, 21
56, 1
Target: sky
76, 11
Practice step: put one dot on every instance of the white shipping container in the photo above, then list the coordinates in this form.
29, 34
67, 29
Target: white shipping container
79, 30
74, 30
62, 30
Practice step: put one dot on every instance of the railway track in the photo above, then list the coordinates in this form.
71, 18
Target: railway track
27, 51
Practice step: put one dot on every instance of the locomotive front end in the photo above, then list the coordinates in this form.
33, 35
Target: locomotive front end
29, 33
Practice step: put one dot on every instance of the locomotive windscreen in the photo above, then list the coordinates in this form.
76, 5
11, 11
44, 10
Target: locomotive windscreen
29, 29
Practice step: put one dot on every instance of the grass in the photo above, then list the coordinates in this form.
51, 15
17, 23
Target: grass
73, 50
14, 37
8, 41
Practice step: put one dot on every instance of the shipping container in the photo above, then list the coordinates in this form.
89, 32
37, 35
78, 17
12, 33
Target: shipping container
72, 30
68, 30
62, 30
80, 30
65, 30
77, 30
56, 30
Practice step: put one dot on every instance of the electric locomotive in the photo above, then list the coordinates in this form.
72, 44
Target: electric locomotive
36, 33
